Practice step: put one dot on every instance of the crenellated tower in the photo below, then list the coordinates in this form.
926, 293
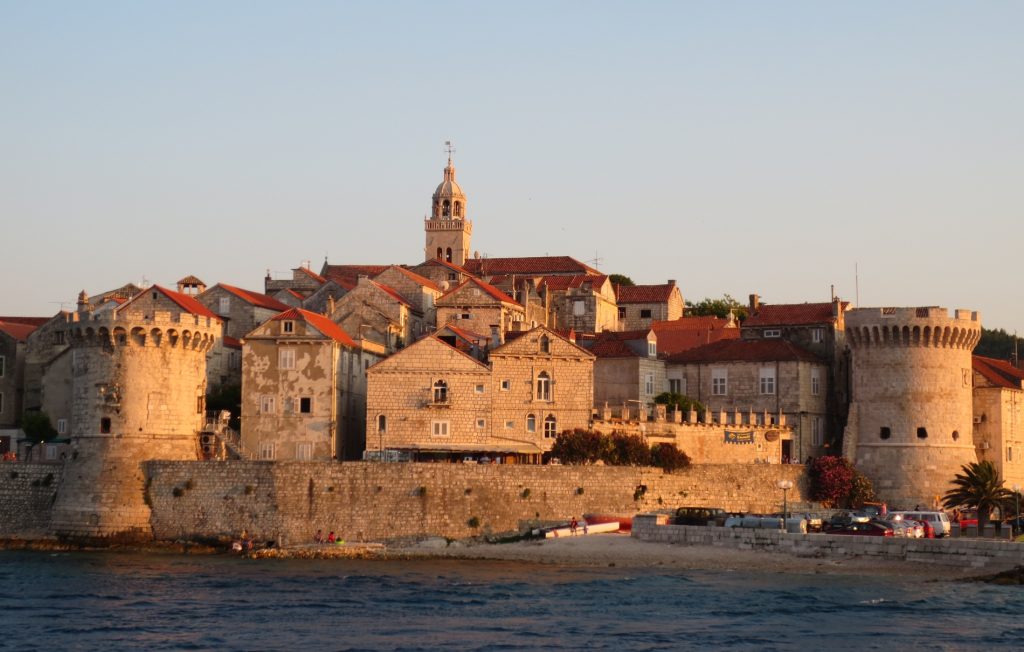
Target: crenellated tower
448, 231
138, 388
910, 424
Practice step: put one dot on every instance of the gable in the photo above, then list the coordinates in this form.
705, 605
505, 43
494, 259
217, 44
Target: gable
429, 355
469, 294
529, 345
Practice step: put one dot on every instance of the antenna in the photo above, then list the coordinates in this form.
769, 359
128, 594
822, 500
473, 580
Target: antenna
856, 284
596, 261
62, 304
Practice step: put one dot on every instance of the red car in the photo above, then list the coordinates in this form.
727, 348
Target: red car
869, 529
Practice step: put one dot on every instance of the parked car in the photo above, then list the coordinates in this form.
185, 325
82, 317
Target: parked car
870, 529
700, 516
938, 521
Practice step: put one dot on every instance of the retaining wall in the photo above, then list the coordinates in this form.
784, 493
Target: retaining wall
27, 492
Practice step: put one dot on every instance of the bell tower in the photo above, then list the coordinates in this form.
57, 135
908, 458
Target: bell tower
448, 230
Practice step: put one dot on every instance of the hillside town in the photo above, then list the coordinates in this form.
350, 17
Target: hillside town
457, 358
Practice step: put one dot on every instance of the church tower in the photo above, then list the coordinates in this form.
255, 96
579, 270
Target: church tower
448, 230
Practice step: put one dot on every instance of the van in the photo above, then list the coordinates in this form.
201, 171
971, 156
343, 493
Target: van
938, 520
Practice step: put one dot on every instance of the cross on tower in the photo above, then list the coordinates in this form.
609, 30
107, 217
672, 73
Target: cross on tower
450, 148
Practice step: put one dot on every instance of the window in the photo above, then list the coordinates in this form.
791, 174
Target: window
200, 404
304, 451
550, 427
771, 332
382, 423
439, 428
649, 385
815, 382
3, 365
286, 358
267, 450
622, 313
58, 337
817, 335
543, 387
884, 432
509, 425
224, 305
922, 433
105, 425
1009, 453
305, 405
62, 426
51, 452
479, 389
440, 392
267, 405
545, 344
481, 424
288, 327
579, 308
652, 349
816, 431
531, 423
645, 313
465, 315
768, 380
675, 385
505, 385
719, 382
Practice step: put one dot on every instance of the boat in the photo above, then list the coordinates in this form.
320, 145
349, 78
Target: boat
585, 527
625, 522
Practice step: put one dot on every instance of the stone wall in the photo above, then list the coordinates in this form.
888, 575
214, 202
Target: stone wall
26, 493
370, 501
964, 553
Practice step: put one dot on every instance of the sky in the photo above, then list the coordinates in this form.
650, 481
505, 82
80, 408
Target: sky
738, 147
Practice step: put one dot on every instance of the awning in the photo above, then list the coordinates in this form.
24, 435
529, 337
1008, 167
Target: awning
524, 449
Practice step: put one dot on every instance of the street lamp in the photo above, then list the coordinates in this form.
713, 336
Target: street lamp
785, 485
1016, 512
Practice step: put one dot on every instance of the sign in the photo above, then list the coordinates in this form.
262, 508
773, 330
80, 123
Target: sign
738, 437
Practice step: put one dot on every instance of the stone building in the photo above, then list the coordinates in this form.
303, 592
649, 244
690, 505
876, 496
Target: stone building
444, 274
434, 401
138, 389
419, 291
47, 377
240, 311
998, 398
448, 230
627, 370
481, 308
13, 340
761, 377
303, 281
303, 389
688, 333
578, 302
911, 417
379, 313
640, 305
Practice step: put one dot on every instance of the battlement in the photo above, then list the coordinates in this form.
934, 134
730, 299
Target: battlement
929, 326
109, 329
158, 318
455, 224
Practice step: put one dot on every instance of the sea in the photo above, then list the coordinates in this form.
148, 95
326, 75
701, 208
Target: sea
136, 601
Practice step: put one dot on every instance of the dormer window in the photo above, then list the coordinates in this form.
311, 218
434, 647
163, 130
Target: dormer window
288, 327
652, 349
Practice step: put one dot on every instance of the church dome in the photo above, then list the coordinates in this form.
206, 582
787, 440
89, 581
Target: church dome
448, 188
448, 201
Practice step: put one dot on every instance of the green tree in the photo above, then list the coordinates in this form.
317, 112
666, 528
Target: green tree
668, 457
226, 397
681, 402
627, 450
620, 279
978, 487
996, 343
579, 446
717, 308
37, 427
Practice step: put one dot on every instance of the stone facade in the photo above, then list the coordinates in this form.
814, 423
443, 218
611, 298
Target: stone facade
910, 421
641, 305
711, 441
27, 491
379, 313
241, 310
480, 308
999, 417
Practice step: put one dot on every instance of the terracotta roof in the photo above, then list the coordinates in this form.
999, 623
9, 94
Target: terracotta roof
690, 323
313, 275
538, 265
486, 287
31, 321
319, 322
690, 332
740, 350
351, 273
464, 334
612, 348
183, 301
191, 280
644, 293
562, 283
295, 294
792, 314
625, 336
999, 372
416, 278
19, 332
232, 342
255, 298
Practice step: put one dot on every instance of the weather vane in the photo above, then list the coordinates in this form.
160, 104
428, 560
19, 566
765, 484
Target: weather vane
450, 148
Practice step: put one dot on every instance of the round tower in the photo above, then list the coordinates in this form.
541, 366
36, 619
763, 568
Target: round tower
910, 423
447, 229
138, 387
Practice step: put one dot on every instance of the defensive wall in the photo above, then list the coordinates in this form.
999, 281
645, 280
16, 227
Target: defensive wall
961, 553
27, 492
288, 501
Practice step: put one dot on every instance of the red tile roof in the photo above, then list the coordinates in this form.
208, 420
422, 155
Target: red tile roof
792, 314
31, 321
319, 322
416, 278
486, 287
350, 273
690, 332
19, 332
644, 293
562, 283
625, 336
740, 350
612, 348
999, 372
183, 301
537, 265
690, 324
232, 343
295, 294
255, 298
464, 334
313, 275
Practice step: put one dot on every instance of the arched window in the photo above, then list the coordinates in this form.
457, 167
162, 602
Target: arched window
543, 386
440, 392
382, 423
446, 209
458, 209
531, 423
545, 344
448, 255
440, 253
550, 427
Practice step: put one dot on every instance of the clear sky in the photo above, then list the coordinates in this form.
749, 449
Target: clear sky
737, 147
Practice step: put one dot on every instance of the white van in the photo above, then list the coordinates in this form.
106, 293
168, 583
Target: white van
938, 520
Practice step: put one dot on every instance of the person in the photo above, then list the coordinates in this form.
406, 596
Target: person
573, 524
318, 537
331, 538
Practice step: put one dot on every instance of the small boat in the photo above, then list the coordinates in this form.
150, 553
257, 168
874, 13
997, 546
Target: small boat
625, 522
581, 529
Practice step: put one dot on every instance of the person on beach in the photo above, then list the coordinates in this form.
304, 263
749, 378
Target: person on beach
331, 538
318, 537
573, 524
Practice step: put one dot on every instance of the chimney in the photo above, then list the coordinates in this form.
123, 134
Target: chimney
671, 281
755, 303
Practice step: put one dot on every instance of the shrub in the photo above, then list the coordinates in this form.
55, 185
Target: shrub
579, 446
680, 402
37, 427
627, 450
526, 493
668, 457
473, 522
834, 481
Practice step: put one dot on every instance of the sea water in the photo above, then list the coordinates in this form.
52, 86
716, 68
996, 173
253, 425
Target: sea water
115, 601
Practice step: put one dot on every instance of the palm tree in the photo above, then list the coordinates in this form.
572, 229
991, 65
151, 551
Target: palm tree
979, 486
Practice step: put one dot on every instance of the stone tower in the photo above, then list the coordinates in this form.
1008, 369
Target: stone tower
448, 230
138, 388
910, 423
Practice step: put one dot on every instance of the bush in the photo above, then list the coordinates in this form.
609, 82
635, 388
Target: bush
579, 446
835, 482
680, 402
37, 427
473, 522
627, 450
669, 458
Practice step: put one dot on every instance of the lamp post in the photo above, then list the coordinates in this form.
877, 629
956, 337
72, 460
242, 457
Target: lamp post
1016, 512
785, 485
